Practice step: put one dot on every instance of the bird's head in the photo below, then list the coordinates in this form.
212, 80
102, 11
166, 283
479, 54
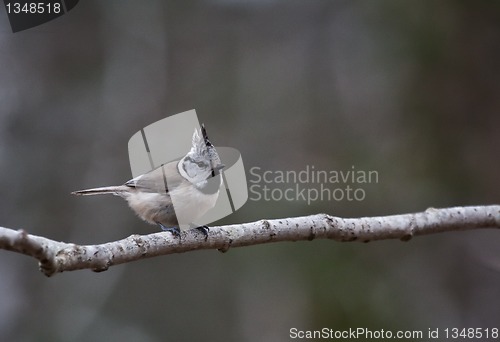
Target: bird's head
202, 161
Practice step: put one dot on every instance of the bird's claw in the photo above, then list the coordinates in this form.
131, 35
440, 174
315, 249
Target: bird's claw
204, 230
173, 230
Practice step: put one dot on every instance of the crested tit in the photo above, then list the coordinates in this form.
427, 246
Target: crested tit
174, 193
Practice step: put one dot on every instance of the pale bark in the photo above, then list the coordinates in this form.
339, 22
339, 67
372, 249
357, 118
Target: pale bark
57, 257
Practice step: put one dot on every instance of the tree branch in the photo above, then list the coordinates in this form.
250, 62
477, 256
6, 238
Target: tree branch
57, 257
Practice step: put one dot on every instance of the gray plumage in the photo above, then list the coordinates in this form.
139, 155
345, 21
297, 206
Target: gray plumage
176, 193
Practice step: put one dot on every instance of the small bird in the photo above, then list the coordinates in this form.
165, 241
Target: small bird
177, 192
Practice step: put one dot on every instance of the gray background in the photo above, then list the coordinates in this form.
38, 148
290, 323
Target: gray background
409, 89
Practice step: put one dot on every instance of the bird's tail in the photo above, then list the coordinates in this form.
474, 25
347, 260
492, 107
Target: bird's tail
115, 190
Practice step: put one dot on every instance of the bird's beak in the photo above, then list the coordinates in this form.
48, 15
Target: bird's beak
216, 169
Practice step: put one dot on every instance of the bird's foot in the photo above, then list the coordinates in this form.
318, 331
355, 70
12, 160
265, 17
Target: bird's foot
204, 230
173, 230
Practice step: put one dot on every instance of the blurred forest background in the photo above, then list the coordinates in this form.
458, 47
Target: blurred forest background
408, 88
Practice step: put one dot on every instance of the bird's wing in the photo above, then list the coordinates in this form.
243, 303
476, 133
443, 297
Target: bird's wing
159, 180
